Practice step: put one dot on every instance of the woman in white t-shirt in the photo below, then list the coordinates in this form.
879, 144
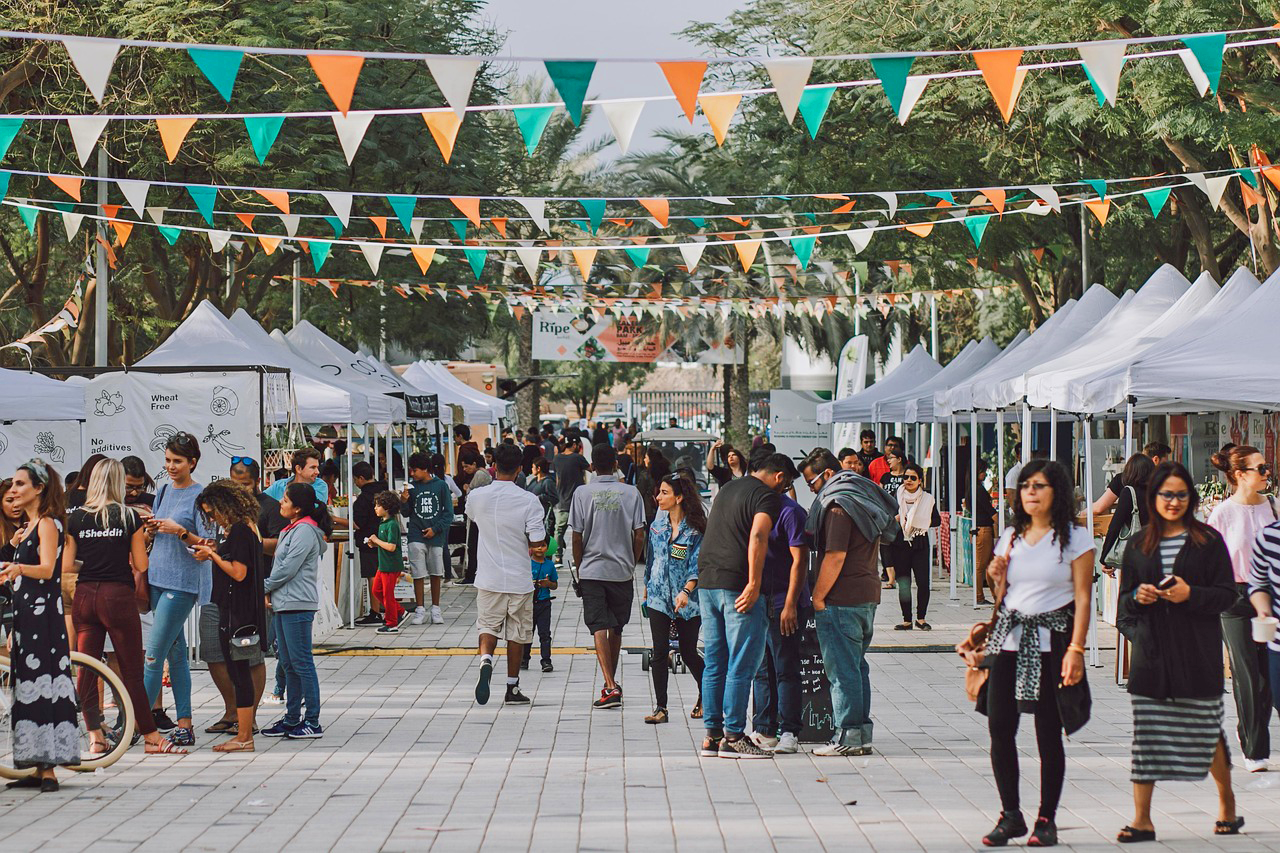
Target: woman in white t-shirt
1239, 519
1044, 565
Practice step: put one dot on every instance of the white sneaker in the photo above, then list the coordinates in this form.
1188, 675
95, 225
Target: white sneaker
764, 741
838, 749
273, 699
788, 744
436, 617
1257, 765
419, 616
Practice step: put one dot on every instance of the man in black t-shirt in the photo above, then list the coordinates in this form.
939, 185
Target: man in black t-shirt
867, 450
735, 618
570, 468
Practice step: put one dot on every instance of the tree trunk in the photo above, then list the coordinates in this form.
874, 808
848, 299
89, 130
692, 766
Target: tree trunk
529, 398
741, 392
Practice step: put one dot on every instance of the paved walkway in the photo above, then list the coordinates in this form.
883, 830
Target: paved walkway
409, 762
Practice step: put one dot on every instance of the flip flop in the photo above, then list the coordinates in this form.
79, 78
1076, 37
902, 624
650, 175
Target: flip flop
222, 727
1129, 835
235, 746
1228, 827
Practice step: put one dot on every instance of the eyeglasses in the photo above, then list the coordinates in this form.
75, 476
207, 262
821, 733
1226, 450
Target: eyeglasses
1264, 470
1173, 497
1034, 487
816, 478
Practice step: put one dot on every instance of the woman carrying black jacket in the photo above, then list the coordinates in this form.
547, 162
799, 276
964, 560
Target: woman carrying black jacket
1175, 581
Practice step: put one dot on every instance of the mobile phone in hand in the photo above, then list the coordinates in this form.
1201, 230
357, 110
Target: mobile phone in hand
1166, 582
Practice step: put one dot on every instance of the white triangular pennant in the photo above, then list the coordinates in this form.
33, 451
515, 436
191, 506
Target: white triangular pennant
537, 208
530, 256
623, 116
72, 223
911, 93
892, 200
692, 253
1198, 78
1038, 208
218, 240
718, 199
93, 58
1214, 188
135, 192
415, 227
454, 77
1104, 59
341, 204
290, 221
1048, 195
157, 214
372, 254
85, 131
789, 77
860, 237
351, 129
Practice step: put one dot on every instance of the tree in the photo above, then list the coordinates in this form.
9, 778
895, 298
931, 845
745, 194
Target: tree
592, 379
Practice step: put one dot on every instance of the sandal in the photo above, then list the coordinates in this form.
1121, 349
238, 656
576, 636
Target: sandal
1129, 835
235, 746
696, 713
1228, 827
221, 727
164, 747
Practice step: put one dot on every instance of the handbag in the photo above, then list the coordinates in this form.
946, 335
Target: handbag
975, 677
244, 643
1124, 534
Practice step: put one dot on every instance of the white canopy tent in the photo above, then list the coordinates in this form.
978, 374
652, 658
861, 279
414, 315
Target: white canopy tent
30, 396
914, 370
308, 341
916, 404
477, 407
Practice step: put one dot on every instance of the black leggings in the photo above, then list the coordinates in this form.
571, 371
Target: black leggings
912, 558
1002, 722
240, 672
687, 631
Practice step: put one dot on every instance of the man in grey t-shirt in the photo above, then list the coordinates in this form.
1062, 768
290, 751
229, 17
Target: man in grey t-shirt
607, 519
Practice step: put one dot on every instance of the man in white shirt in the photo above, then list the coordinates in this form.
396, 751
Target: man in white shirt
510, 524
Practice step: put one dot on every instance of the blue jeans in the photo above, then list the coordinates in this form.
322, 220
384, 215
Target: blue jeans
168, 641
776, 697
293, 634
844, 633
733, 648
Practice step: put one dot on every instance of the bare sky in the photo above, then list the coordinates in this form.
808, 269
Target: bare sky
603, 28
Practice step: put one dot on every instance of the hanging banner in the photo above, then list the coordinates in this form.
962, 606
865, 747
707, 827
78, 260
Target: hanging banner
793, 423
851, 377
56, 442
565, 336
135, 413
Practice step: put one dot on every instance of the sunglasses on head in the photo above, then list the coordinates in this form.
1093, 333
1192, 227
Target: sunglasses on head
243, 460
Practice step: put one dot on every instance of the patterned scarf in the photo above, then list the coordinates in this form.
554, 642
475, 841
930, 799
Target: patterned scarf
1027, 680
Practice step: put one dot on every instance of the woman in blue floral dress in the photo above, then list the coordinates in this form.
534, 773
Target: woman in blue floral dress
671, 585
46, 733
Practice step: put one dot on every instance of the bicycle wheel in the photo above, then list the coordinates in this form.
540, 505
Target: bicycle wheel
125, 724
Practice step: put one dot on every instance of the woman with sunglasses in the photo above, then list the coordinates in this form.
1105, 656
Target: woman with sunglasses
917, 514
1239, 519
670, 592
1175, 581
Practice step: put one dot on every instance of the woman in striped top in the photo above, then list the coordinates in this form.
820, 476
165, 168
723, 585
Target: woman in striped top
1175, 581
1264, 595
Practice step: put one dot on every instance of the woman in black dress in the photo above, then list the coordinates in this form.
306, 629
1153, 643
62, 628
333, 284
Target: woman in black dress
45, 728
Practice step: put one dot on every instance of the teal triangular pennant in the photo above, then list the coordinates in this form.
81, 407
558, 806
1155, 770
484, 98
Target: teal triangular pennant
204, 198
581, 224
220, 67
1156, 199
1249, 176
4, 183
893, 71
942, 195
403, 206
476, 257
263, 131
532, 121
460, 226
571, 80
336, 224
813, 106
9, 128
28, 215
169, 233
64, 207
595, 211
812, 217
977, 226
639, 255
1099, 186
319, 252
698, 221
1097, 90
1208, 52
803, 247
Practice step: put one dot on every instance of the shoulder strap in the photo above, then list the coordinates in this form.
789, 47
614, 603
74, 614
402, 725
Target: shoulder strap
1272, 501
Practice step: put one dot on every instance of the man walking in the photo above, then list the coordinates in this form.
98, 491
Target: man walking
608, 524
509, 521
847, 521
570, 469
734, 616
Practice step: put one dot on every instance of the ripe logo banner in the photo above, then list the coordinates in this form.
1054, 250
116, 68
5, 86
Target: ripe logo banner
135, 413
565, 336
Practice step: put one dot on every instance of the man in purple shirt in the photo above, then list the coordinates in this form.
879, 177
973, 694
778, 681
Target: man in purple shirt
776, 694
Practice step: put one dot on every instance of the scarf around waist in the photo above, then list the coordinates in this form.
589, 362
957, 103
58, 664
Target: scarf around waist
1027, 680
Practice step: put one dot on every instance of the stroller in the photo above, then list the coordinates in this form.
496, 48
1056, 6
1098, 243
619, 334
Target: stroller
674, 658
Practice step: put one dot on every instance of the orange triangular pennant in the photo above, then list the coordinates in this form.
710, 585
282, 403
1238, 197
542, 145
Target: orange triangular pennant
973, 262
659, 208
69, 184
423, 255
996, 197
268, 244
1272, 174
684, 79
894, 266
584, 258
499, 223
444, 129
719, 110
1099, 207
1251, 198
621, 222
247, 219
920, 229
338, 74
740, 220
123, 230
845, 208
379, 222
172, 132
280, 198
332, 285
1003, 76
747, 250
111, 211
470, 208
1038, 254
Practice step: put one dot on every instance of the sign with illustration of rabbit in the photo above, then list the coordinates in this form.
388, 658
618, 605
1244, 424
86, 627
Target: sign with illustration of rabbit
135, 414
56, 442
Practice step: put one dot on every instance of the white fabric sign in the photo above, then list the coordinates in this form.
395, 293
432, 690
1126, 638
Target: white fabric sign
134, 414
793, 423
56, 442
851, 377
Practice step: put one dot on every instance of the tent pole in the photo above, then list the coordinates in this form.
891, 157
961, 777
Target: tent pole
973, 497
1128, 428
1000, 484
1088, 526
952, 493
1053, 434
353, 573
101, 274
297, 290
1026, 432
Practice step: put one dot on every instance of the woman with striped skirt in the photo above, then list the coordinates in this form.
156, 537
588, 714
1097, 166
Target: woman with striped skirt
1175, 581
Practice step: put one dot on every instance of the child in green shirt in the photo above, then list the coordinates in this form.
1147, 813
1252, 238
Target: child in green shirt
386, 505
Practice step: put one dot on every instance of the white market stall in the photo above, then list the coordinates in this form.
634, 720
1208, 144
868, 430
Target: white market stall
39, 417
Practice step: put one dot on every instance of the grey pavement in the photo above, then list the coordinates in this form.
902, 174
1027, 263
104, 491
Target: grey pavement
410, 762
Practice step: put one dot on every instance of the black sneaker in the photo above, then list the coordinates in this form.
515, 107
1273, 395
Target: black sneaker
482, 684
388, 629
163, 722
1045, 834
514, 696
524, 664
547, 666
370, 619
609, 698
1010, 825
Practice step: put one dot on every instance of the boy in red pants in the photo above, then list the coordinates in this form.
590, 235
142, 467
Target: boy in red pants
386, 505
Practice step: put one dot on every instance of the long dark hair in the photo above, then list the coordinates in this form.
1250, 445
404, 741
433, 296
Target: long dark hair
1137, 472
658, 466
1061, 511
690, 500
303, 496
1197, 531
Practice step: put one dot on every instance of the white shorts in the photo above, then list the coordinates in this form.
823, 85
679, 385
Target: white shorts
505, 615
425, 561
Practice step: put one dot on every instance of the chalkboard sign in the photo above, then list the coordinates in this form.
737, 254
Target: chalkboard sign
816, 716
422, 406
